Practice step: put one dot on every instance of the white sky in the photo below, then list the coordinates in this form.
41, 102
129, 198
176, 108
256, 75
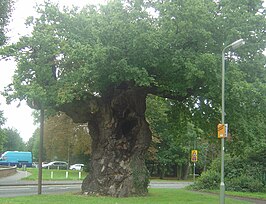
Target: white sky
20, 117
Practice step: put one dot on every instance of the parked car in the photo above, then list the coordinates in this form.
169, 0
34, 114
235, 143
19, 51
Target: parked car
56, 165
78, 167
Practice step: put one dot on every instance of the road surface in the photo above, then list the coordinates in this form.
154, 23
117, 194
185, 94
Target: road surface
13, 186
13, 191
25, 190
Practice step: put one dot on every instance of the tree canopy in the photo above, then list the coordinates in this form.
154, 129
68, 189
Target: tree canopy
173, 50
32, 145
5, 11
13, 141
2, 133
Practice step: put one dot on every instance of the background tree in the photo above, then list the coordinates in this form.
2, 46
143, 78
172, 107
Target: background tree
175, 136
173, 145
99, 64
5, 12
65, 140
33, 145
13, 140
2, 133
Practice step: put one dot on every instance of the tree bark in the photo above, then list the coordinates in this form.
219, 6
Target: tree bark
120, 140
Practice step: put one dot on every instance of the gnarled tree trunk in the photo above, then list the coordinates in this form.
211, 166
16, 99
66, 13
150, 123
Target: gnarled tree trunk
120, 139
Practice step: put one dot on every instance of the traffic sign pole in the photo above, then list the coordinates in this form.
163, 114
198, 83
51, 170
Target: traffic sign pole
194, 172
194, 159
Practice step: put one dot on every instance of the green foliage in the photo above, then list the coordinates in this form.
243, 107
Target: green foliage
2, 133
88, 49
208, 180
241, 174
2, 140
257, 153
169, 146
33, 145
174, 136
2, 119
66, 140
74, 53
245, 183
5, 12
247, 112
13, 141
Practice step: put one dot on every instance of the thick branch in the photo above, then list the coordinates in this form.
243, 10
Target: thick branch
81, 110
170, 94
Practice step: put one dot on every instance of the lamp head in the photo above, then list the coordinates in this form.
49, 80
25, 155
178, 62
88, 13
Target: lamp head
237, 43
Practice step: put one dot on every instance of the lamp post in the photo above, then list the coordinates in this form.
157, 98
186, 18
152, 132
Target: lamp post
234, 45
40, 151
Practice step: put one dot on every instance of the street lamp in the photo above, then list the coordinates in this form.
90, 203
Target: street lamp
234, 45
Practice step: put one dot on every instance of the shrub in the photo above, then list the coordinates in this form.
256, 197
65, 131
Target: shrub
241, 174
244, 183
208, 180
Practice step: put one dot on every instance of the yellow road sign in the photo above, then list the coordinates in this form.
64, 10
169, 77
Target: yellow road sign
222, 130
194, 155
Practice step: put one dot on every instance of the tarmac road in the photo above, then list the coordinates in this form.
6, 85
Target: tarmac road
13, 185
27, 190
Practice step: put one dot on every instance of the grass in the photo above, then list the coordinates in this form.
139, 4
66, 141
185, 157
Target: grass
158, 196
255, 195
57, 174
258, 195
74, 175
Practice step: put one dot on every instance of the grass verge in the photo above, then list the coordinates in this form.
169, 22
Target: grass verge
158, 196
54, 174
74, 175
258, 195
252, 195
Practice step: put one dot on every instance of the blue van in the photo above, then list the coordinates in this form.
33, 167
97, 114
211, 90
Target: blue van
16, 158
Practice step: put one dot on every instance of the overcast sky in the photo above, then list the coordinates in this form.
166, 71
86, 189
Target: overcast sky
20, 117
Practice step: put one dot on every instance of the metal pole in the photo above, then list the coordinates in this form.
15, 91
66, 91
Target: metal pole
234, 45
222, 185
194, 165
40, 152
194, 172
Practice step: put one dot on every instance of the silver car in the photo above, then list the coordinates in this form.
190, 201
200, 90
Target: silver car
56, 165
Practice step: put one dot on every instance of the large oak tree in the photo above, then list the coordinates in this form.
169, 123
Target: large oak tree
98, 64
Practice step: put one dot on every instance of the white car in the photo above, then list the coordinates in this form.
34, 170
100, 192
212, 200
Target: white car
78, 167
